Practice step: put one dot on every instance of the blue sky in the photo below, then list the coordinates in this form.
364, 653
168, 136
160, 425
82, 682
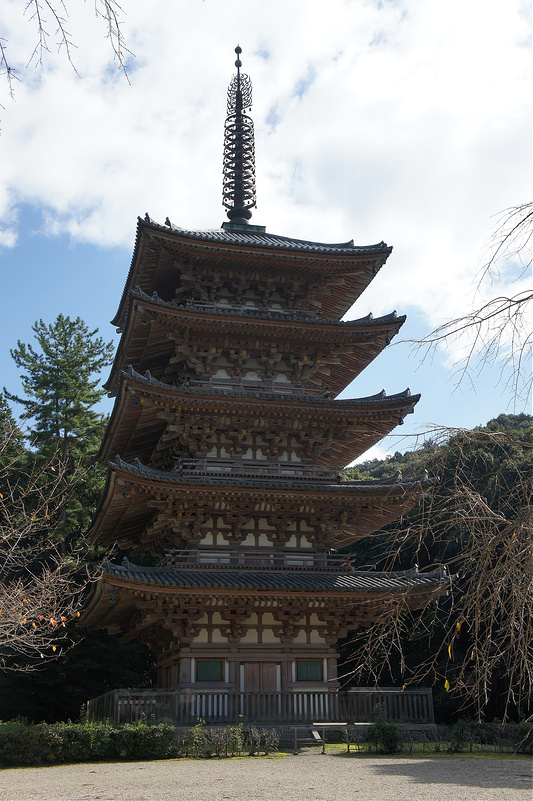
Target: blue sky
405, 121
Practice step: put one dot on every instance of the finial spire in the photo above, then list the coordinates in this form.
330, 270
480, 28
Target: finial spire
238, 193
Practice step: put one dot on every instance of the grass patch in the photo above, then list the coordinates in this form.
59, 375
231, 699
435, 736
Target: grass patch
420, 750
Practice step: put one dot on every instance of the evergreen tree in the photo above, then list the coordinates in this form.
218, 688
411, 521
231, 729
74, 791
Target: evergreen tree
39, 585
60, 382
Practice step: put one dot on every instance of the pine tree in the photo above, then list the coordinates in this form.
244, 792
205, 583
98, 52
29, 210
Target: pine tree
60, 382
40, 585
12, 450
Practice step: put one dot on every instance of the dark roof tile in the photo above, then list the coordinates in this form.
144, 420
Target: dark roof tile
256, 239
276, 579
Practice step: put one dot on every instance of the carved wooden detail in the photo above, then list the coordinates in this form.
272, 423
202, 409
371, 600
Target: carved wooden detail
236, 615
232, 472
289, 617
235, 520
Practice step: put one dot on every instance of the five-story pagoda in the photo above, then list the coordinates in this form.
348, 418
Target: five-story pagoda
225, 445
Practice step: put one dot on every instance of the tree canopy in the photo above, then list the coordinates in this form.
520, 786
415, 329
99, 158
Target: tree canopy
475, 642
60, 375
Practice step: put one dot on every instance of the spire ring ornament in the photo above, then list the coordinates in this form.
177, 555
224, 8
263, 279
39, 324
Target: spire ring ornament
238, 192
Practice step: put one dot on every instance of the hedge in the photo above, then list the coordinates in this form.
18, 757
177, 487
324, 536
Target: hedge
47, 744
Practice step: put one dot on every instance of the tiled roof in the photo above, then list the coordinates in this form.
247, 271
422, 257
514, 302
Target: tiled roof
197, 389
275, 579
368, 319
139, 469
264, 240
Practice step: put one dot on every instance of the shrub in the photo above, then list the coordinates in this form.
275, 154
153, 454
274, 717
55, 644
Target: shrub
384, 737
137, 741
23, 744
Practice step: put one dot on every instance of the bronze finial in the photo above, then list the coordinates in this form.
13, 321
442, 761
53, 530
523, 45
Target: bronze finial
238, 193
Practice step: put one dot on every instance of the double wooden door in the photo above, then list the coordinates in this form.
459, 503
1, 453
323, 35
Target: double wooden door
260, 677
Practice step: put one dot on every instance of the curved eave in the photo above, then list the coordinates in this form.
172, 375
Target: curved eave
135, 425
146, 345
115, 596
133, 492
362, 262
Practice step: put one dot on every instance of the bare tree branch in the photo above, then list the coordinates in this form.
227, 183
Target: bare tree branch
499, 330
49, 18
40, 586
481, 633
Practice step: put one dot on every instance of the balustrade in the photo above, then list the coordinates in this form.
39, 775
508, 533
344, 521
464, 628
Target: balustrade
186, 707
264, 558
249, 468
255, 386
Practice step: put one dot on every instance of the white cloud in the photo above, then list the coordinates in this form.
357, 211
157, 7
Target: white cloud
375, 452
404, 121
8, 237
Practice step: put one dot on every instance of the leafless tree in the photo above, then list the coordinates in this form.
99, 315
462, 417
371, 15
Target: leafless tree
478, 636
50, 21
498, 330
39, 586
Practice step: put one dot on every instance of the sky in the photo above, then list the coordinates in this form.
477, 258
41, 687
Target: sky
404, 121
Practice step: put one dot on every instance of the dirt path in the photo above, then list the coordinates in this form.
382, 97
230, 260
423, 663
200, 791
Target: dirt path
307, 777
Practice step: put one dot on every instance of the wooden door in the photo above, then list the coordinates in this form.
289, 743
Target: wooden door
260, 677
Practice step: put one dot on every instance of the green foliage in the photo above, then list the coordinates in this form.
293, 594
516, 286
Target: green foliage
469, 735
54, 691
27, 744
385, 737
59, 383
524, 735
41, 744
49, 492
475, 642
12, 450
60, 379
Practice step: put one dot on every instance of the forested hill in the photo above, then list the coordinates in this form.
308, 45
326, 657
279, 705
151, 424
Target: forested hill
517, 428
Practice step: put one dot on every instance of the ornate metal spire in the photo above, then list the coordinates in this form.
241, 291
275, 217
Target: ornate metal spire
238, 194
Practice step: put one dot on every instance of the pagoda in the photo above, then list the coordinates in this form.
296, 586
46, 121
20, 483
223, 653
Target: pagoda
225, 447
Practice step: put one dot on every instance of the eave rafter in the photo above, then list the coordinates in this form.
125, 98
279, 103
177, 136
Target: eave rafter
154, 413
160, 250
143, 508
159, 335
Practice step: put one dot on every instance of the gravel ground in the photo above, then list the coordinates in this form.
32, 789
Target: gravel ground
310, 776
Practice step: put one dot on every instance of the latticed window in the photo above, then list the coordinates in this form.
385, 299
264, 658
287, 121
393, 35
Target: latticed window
209, 670
309, 670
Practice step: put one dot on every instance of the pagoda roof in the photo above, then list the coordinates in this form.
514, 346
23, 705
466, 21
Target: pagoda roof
365, 594
221, 245
134, 493
149, 347
361, 486
306, 579
376, 415
264, 317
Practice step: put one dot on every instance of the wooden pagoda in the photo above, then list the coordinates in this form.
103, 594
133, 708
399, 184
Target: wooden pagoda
225, 447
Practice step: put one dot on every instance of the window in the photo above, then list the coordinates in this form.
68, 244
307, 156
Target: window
309, 670
209, 670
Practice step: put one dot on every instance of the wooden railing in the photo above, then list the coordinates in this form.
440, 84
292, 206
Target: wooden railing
254, 385
186, 707
217, 306
265, 559
251, 468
